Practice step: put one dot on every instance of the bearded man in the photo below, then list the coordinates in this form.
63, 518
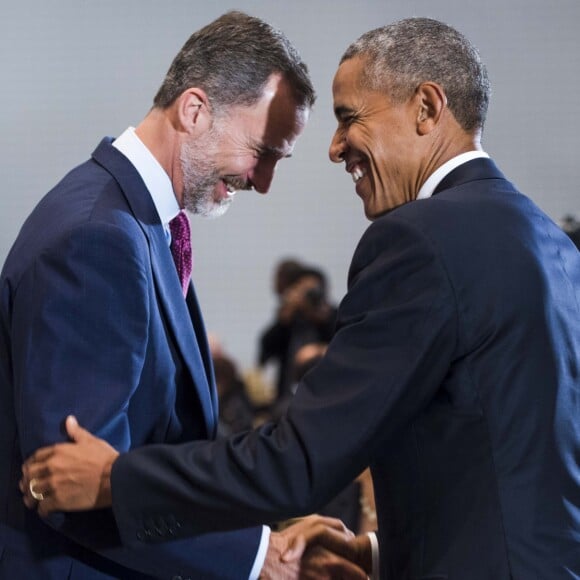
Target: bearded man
99, 315
453, 372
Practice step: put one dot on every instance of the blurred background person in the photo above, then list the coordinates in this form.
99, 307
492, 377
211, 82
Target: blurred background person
304, 315
571, 226
236, 410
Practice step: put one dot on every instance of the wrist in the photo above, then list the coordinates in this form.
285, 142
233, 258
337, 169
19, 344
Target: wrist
364, 555
105, 496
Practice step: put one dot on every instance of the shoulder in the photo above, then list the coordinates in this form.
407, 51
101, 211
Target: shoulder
392, 237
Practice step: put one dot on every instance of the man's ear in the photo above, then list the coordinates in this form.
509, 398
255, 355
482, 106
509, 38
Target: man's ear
193, 111
432, 101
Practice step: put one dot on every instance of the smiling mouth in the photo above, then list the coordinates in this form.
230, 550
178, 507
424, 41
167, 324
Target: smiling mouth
233, 185
357, 171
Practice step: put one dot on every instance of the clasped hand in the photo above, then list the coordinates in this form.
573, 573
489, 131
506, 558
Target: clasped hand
76, 476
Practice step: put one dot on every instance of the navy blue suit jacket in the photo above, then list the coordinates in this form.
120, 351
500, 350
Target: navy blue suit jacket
454, 373
93, 322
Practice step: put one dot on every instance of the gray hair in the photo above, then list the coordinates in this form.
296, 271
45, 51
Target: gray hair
231, 59
401, 56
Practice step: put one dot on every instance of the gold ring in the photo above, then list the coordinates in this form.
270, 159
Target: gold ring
38, 496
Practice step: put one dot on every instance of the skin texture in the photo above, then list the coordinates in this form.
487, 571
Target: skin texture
315, 547
204, 155
395, 145
204, 152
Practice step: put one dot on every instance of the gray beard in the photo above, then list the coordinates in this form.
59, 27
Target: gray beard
200, 177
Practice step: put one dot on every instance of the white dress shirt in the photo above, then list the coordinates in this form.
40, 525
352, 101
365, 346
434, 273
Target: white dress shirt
153, 175
437, 176
161, 190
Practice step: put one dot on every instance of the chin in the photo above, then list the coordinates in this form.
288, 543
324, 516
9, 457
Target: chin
214, 209
375, 213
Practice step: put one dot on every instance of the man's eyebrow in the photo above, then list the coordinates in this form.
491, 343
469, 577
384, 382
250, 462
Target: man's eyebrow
274, 151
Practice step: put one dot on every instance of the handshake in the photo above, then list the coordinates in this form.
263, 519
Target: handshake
316, 548
76, 476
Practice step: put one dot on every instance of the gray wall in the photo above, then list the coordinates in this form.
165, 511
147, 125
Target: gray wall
75, 70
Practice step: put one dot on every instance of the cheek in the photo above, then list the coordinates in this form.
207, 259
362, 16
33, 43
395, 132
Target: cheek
366, 141
237, 163
380, 157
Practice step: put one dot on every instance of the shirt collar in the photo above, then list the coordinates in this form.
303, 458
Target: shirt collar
153, 175
437, 176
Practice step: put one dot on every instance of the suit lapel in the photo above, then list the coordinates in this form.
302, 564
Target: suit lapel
199, 328
476, 169
184, 319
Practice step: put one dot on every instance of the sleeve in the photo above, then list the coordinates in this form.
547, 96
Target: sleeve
396, 334
80, 319
274, 342
374, 555
79, 327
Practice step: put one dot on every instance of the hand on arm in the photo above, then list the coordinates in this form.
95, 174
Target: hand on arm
316, 547
77, 476
70, 476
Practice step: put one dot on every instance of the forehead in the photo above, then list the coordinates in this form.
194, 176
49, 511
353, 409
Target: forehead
274, 122
347, 82
350, 93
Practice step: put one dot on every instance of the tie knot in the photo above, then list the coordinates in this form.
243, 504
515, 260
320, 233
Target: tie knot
181, 248
179, 228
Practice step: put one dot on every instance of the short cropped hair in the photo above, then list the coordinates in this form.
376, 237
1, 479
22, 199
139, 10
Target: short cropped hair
401, 56
231, 59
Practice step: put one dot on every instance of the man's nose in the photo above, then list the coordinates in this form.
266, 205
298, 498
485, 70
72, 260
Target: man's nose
263, 175
337, 148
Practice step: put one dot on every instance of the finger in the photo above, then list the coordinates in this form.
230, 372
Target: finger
320, 563
346, 570
35, 465
74, 430
39, 455
33, 492
334, 523
314, 532
38, 471
316, 529
335, 541
27, 498
46, 507
29, 502
296, 548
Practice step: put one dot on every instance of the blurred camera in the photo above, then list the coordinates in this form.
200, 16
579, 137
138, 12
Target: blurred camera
314, 296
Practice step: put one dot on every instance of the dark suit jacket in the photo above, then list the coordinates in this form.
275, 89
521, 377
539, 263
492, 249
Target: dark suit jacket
454, 373
93, 322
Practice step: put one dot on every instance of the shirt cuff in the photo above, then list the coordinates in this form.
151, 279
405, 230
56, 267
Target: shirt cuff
261, 554
375, 572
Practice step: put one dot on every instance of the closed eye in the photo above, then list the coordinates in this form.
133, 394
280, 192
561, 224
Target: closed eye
344, 115
264, 152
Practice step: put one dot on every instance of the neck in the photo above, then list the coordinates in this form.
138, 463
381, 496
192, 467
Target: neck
161, 137
446, 147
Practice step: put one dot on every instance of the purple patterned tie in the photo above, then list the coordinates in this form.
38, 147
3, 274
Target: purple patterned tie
181, 248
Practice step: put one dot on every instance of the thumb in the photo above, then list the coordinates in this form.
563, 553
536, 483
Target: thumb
74, 430
296, 547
